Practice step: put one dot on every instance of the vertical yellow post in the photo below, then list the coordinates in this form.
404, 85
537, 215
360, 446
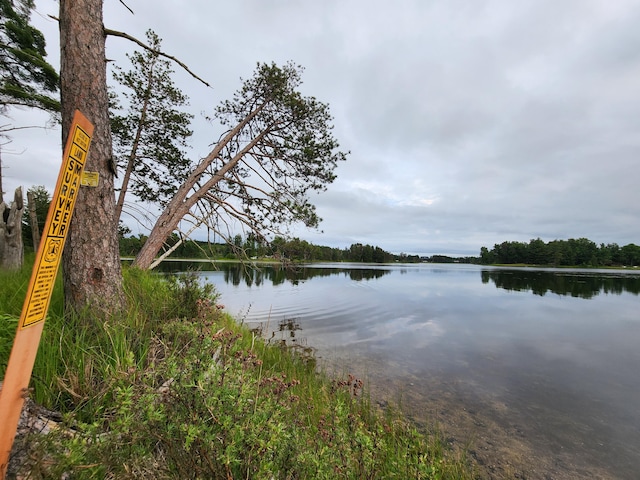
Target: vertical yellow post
45, 269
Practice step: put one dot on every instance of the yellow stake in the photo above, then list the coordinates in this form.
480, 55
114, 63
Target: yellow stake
43, 277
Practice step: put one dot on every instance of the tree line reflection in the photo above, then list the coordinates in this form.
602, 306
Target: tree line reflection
582, 285
539, 282
256, 275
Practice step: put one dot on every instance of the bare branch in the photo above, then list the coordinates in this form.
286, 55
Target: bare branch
243, 217
183, 237
127, 7
115, 33
8, 128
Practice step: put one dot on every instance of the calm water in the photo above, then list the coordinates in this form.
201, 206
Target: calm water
536, 371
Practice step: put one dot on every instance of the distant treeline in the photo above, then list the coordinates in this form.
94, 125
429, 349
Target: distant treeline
282, 249
572, 252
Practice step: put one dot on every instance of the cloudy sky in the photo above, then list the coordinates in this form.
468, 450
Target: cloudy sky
469, 122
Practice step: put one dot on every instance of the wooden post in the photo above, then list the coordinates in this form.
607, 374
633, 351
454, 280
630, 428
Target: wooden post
45, 269
33, 217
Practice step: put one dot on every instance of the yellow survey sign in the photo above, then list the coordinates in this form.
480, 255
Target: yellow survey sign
57, 226
43, 276
90, 179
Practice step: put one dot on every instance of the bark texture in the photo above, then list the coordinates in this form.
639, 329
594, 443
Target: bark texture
11, 248
91, 260
33, 217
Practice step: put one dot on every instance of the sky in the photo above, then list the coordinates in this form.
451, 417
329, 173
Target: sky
468, 122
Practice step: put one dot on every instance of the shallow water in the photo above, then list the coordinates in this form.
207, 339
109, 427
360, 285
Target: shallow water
533, 371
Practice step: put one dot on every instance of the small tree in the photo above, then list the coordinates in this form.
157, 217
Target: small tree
150, 136
26, 79
278, 148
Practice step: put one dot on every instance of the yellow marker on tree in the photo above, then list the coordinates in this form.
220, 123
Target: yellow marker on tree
45, 269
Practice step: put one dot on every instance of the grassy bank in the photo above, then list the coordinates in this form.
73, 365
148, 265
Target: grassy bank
175, 388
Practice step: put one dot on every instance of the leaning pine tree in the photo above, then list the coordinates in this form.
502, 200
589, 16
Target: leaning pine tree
277, 148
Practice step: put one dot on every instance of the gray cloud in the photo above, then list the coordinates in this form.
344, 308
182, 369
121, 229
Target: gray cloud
469, 123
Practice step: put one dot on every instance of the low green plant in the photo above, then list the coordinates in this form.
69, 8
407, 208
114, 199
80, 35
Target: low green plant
188, 292
217, 403
177, 389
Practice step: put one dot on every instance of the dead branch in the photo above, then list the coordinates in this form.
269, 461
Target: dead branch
127, 7
115, 33
183, 237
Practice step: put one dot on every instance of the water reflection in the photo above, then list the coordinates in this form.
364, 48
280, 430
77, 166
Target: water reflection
545, 382
255, 275
576, 284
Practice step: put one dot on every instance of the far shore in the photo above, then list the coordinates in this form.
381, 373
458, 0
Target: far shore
508, 265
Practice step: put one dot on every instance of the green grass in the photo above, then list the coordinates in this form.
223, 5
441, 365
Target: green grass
175, 388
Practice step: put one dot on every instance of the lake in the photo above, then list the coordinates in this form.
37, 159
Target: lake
534, 372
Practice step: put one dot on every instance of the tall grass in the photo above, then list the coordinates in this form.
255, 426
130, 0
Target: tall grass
175, 388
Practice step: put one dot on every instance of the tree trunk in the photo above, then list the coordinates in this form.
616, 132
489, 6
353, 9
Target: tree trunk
134, 150
124, 188
11, 248
33, 218
1, 191
181, 202
91, 261
166, 223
